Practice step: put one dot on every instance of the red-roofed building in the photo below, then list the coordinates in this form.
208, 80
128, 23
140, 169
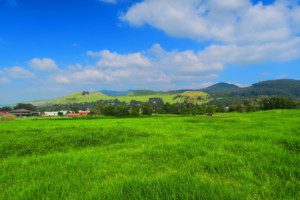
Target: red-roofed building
73, 115
80, 113
84, 113
3, 113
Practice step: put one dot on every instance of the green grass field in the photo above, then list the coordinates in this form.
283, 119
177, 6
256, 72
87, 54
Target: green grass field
228, 156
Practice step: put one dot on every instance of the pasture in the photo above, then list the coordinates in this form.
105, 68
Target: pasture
227, 156
191, 96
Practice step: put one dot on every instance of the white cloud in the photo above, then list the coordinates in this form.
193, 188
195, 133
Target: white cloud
61, 79
231, 21
183, 63
44, 64
76, 66
115, 60
155, 67
295, 17
168, 69
94, 54
249, 54
90, 75
238, 32
18, 72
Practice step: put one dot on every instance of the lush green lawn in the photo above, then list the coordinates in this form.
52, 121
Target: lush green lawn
231, 156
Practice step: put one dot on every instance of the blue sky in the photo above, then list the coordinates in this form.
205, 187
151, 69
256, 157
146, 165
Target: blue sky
49, 48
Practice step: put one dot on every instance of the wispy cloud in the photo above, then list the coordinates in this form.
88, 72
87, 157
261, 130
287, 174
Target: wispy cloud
4, 80
43, 64
18, 72
109, 1
11, 3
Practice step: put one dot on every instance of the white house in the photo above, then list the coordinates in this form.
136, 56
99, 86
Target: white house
50, 114
54, 113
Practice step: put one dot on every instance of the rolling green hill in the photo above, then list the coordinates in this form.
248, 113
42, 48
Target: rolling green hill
137, 95
142, 92
192, 97
78, 97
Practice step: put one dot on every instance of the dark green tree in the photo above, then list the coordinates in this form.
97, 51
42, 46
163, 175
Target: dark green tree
26, 106
210, 110
135, 111
147, 109
122, 111
6, 109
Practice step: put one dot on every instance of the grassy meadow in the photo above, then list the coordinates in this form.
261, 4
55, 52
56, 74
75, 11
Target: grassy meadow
227, 156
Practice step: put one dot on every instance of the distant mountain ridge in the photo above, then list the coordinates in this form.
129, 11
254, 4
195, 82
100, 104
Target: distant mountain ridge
220, 86
282, 87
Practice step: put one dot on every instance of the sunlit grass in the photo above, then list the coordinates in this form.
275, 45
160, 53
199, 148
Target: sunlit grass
228, 156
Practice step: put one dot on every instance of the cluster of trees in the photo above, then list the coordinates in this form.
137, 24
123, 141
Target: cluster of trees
6, 109
277, 103
26, 106
121, 110
150, 108
85, 93
77, 106
157, 105
255, 104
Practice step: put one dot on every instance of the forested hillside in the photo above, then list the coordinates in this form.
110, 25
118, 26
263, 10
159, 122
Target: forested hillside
284, 87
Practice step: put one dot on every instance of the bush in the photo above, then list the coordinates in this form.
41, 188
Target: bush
7, 117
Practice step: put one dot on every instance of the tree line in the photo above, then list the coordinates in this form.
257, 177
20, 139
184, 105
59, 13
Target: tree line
157, 105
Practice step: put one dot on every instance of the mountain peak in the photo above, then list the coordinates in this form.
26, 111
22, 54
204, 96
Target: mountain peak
220, 86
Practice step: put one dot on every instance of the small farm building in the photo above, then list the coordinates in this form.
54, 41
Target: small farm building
23, 113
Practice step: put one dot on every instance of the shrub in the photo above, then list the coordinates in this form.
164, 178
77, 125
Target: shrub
7, 117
